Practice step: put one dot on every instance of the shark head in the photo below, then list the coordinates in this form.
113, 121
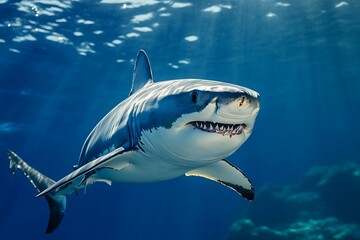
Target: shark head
205, 121
194, 120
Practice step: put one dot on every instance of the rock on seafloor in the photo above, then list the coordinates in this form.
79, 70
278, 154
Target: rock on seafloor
324, 205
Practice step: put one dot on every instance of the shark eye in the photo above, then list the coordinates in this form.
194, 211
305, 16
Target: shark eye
194, 97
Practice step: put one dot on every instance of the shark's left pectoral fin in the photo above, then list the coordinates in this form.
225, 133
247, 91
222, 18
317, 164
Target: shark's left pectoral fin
80, 175
227, 174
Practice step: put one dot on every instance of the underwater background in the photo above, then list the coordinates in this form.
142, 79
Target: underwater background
65, 64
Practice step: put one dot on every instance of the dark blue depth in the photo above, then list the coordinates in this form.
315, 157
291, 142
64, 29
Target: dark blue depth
65, 64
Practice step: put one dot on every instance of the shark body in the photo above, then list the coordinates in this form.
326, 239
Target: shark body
161, 131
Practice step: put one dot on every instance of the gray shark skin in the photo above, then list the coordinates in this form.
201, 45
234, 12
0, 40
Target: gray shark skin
161, 131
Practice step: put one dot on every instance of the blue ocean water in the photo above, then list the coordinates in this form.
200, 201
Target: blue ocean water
65, 64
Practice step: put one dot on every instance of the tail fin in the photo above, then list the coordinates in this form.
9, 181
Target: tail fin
57, 203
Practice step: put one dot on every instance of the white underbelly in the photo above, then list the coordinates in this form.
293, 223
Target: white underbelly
136, 167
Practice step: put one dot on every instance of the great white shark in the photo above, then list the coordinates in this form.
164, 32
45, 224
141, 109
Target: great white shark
161, 131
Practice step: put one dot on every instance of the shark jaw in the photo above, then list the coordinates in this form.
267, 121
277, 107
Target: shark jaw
201, 137
219, 128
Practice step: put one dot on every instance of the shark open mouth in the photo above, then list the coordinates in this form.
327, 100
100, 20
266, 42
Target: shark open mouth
220, 128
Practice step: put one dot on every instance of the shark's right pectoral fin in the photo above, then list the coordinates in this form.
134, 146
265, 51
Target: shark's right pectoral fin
77, 178
227, 174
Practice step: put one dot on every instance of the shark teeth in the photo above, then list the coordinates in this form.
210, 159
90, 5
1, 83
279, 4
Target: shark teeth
220, 128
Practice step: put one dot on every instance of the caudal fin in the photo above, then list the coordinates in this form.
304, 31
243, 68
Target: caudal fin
57, 203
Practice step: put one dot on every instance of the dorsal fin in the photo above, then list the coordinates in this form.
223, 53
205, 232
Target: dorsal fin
142, 72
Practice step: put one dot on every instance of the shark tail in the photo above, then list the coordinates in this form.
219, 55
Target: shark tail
57, 203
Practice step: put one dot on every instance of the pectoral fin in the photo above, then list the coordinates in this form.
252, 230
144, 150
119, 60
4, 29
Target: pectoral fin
80, 175
227, 174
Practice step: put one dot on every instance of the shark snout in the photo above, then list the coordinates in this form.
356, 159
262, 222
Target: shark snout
247, 102
241, 106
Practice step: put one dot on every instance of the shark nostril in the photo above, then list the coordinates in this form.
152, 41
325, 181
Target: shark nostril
242, 101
